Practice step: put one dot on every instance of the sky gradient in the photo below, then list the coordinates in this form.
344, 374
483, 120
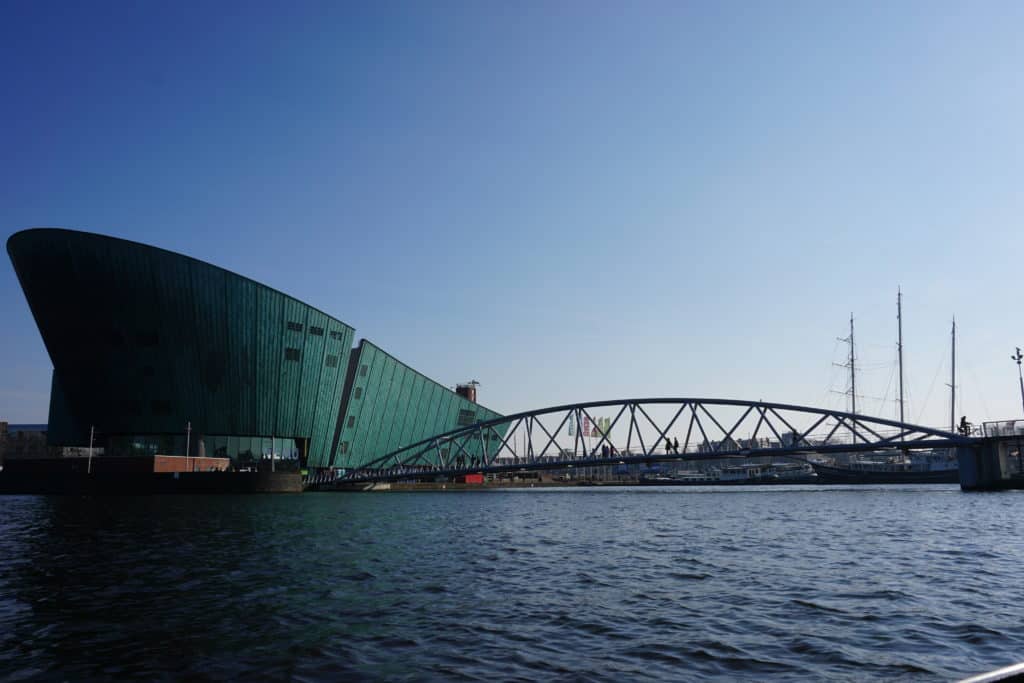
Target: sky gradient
564, 201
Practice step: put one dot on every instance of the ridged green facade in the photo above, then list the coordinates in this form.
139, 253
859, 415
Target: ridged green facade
390, 405
144, 340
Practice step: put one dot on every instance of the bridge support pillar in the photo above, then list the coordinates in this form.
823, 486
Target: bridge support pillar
991, 465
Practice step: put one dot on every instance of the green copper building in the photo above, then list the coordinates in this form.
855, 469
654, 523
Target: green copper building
151, 349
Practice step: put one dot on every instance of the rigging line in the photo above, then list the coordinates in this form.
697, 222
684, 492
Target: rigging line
907, 394
830, 389
981, 396
928, 396
885, 396
894, 381
878, 364
832, 372
870, 397
859, 395
872, 369
871, 345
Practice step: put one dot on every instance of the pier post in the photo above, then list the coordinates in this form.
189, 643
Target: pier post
988, 465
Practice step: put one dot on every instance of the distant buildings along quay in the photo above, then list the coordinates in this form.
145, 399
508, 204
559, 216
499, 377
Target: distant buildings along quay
151, 348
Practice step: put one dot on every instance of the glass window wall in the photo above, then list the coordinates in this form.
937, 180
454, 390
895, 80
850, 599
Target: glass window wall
246, 452
256, 452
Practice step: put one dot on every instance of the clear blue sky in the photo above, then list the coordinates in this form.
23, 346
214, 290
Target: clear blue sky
565, 201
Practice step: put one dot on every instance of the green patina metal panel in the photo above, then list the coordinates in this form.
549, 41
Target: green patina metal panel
359, 404
312, 371
61, 419
208, 303
393, 410
433, 408
337, 350
396, 406
412, 410
291, 368
180, 356
144, 341
270, 349
242, 331
380, 392
400, 426
444, 416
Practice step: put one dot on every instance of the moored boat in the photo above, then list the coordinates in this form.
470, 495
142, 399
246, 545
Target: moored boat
924, 468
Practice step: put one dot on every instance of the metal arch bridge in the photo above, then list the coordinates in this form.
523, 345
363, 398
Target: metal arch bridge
706, 428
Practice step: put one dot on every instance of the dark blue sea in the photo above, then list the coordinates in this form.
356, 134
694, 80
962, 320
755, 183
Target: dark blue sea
611, 584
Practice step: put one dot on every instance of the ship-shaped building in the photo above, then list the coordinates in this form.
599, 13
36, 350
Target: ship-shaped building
156, 352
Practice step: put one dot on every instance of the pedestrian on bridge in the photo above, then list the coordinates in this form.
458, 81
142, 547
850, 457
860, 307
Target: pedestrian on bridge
965, 426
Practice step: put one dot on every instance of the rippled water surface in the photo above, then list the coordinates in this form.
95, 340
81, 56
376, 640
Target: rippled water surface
920, 583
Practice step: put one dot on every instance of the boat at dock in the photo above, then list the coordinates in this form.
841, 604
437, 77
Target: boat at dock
732, 475
893, 466
940, 467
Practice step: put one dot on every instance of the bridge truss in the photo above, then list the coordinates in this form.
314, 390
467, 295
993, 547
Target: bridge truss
646, 430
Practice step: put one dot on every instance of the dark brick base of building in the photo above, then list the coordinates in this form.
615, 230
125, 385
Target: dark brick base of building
61, 481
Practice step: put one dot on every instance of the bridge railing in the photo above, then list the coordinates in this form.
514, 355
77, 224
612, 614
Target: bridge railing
1003, 428
649, 428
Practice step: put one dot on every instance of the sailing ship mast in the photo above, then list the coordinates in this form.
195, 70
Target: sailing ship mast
899, 343
952, 379
853, 373
851, 365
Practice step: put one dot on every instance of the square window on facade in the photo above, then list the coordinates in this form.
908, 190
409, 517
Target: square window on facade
351, 421
332, 361
318, 331
362, 371
343, 447
295, 327
292, 354
358, 393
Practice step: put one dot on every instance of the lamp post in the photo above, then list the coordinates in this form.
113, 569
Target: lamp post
188, 442
1020, 378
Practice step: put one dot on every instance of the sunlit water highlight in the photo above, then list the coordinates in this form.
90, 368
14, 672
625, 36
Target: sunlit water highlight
921, 583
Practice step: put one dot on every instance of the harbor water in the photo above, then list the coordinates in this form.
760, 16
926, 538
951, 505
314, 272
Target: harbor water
594, 584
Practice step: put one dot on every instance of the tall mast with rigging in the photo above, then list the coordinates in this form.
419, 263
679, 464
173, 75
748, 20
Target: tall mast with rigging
899, 343
851, 365
853, 372
952, 379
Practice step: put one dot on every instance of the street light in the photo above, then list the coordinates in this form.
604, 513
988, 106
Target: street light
1020, 378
